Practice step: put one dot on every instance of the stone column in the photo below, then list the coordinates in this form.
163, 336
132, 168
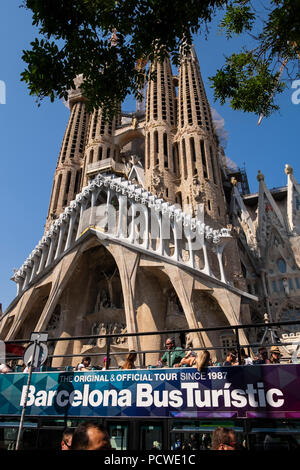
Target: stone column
183, 285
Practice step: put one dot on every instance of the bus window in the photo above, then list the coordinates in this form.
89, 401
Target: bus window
50, 438
274, 435
151, 437
118, 436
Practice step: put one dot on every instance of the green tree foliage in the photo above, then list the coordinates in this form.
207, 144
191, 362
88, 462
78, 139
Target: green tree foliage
251, 79
75, 37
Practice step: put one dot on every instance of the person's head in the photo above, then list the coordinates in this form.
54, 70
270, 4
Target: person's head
90, 436
263, 353
66, 440
130, 358
170, 343
203, 360
223, 439
86, 361
275, 354
243, 353
231, 355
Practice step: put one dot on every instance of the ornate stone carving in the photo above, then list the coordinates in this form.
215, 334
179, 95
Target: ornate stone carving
99, 328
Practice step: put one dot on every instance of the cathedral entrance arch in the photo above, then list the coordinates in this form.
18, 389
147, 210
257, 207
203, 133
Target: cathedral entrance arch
32, 312
92, 303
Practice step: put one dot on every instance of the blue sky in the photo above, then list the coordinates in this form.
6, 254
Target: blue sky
31, 139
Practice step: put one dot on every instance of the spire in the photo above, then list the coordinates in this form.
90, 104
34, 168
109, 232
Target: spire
201, 180
68, 174
100, 143
194, 108
160, 166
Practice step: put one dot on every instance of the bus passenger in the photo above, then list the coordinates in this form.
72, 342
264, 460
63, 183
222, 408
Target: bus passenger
203, 360
85, 364
223, 439
246, 360
275, 355
263, 356
66, 440
4, 369
90, 436
173, 355
130, 359
231, 358
188, 360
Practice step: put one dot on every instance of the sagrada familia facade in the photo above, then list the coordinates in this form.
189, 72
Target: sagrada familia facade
149, 229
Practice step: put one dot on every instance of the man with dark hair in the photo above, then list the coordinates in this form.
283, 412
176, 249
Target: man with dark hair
223, 439
231, 358
173, 354
263, 356
66, 440
90, 436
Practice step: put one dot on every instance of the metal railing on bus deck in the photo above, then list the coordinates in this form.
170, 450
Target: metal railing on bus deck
165, 333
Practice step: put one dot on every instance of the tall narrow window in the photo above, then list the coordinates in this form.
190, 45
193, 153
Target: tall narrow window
77, 181
203, 158
67, 188
68, 182
108, 153
213, 165
174, 158
100, 153
148, 149
57, 192
91, 156
184, 159
165, 150
193, 151
156, 148
178, 198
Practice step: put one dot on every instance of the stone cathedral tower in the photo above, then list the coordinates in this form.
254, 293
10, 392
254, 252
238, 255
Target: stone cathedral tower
163, 165
197, 144
68, 175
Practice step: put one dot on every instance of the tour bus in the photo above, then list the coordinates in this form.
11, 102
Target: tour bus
155, 407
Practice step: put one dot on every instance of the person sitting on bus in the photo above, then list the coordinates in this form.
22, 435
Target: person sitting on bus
188, 360
90, 436
173, 355
85, 364
263, 356
66, 440
203, 360
192, 359
231, 358
223, 439
275, 355
4, 369
130, 359
246, 360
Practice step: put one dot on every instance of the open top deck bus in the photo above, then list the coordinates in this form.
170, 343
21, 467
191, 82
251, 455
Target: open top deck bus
161, 408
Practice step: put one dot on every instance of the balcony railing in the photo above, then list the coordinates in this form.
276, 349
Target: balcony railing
104, 165
109, 353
